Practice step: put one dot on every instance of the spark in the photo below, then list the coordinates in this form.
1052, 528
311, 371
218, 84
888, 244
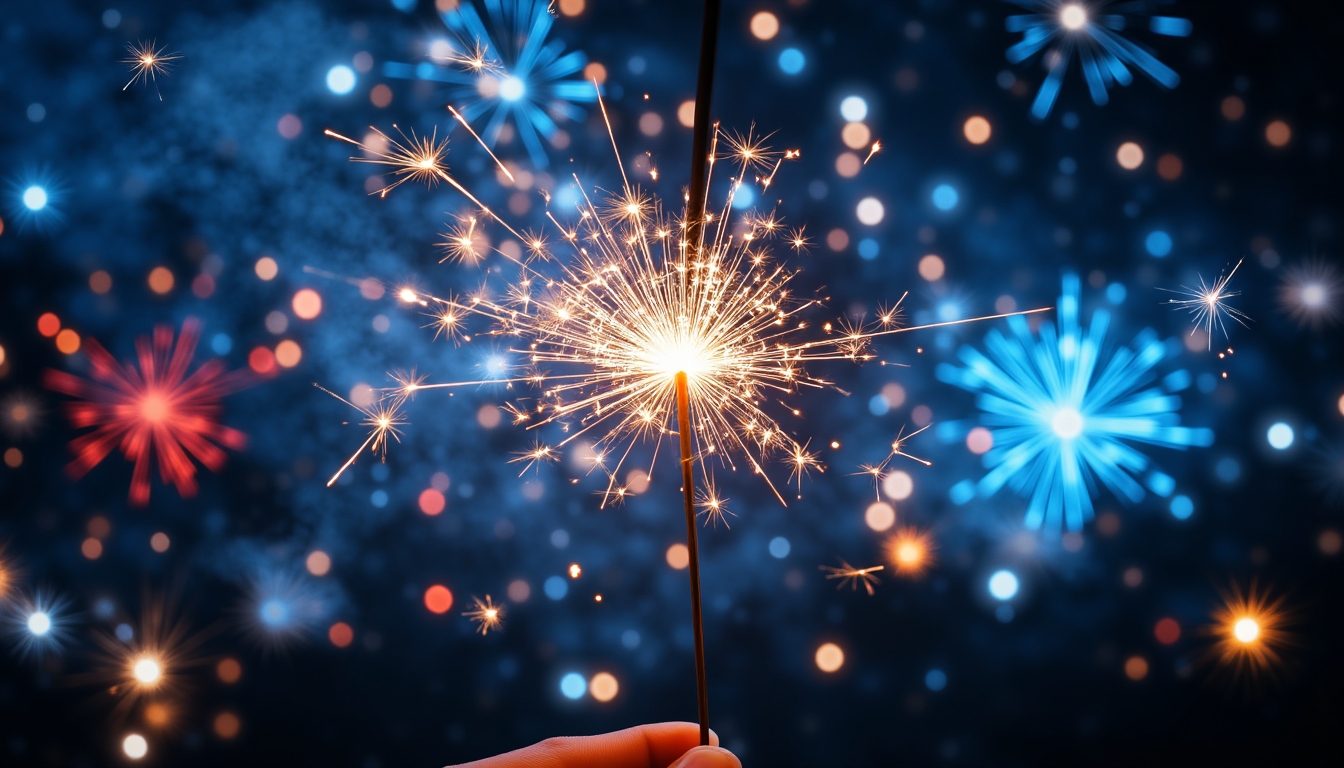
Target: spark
535, 457
158, 410
1249, 630
877, 147
1090, 30
1208, 305
848, 574
486, 614
712, 506
910, 551
1065, 407
383, 419
148, 63
39, 623
607, 331
878, 471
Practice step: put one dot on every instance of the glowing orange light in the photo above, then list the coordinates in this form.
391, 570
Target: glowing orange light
830, 658
438, 599
575, 571
341, 634
48, 324
910, 551
1249, 628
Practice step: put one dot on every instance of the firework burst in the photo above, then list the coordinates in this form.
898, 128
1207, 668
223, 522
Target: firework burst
1090, 29
148, 63
1208, 305
159, 410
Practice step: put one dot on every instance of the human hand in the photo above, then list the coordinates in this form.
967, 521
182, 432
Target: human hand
661, 745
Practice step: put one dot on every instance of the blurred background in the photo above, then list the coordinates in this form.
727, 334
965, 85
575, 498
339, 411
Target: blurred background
285, 622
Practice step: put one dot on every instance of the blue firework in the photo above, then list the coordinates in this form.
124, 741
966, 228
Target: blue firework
1091, 29
1066, 410
503, 69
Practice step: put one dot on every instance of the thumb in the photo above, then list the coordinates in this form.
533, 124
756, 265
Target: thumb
707, 757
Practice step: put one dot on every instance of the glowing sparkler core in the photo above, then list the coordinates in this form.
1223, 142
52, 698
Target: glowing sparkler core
39, 623
1208, 305
1073, 17
148, 62
1247, 630
147, 671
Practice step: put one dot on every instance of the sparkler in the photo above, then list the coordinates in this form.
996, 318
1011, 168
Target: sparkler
878, 471
910, 551
148, 62
641, 334
486, 614
848, 574
1208, 304
157, 410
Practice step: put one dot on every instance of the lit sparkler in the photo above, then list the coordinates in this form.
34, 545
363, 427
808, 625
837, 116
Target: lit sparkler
878, 471
148, 63
849, 575
158, 410
1208, 305
486, 614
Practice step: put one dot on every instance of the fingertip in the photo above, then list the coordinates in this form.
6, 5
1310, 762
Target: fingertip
713, 738
708, 757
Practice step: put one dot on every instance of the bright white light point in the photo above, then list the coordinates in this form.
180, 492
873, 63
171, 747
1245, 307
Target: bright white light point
853, 108
39, 623
146, 671
1073, 16
407, 294
1280, 436
1003, 585
340, 79
35, 198
512, 89
135, 746
1246, 630
1067, 423
1313, 295
870, 211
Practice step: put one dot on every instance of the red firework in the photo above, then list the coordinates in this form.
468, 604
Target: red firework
158, 408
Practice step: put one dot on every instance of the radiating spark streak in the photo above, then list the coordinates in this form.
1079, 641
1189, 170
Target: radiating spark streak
486, 614
1208, 305
878, 471
477, 137
1249, 627
148, 62
877, 147
383, 420
849, 575
910, 551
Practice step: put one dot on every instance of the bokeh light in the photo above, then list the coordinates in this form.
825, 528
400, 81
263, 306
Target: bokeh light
603, 686
1280, 436
1129, 156
573, 686
764, 25
829, 657
135, 746
340, 79
35, 198
1003, 585
976, 129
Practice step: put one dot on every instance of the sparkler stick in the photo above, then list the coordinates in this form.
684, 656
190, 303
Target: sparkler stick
695, 217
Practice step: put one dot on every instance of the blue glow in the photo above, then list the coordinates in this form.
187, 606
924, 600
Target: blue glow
35, 198
556, 588
274, 612
1182, 507
1227, 469
962, 492
340, 79
39, 623
221, 344
868, 249
1103, 54
1003, 585
1116, 293
1065, 407
512, 89
630, 639
405, 6
573, 686
779, 547
743, 197
792, 61
125, 633
1004, 613
378, 498
878, 406
945, 197
935, 680
948, 311
1280, 436
1158, 243
537, 77
853, 108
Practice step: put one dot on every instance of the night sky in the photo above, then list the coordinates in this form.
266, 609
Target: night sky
1091, 544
